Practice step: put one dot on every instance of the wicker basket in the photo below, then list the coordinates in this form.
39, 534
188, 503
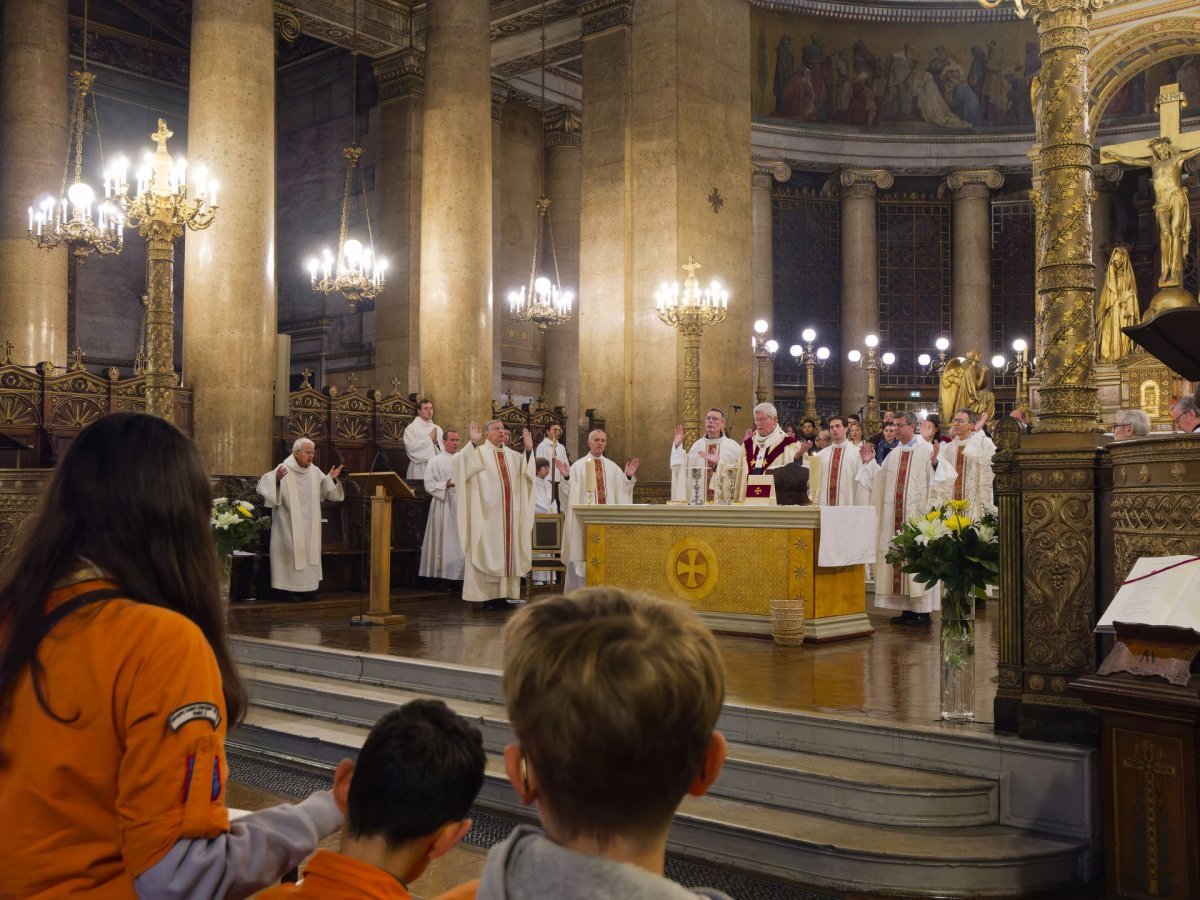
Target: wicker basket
787, 622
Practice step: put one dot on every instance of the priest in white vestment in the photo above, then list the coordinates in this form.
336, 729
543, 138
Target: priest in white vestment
422, 441
905, 485
495, 515
595, 479
294, 492
838, 466
765, 446
971, 452
552, 450
711, 452
441, 551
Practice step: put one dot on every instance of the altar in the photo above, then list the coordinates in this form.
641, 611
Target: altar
728, 563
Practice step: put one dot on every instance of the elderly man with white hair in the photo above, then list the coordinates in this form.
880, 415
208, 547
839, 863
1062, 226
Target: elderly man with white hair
294, 492
766, 446
1131, 423
595, 480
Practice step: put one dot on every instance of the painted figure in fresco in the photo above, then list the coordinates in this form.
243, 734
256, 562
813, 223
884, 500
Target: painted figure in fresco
995, 87
863, 109
937, 67
930, 103
977, 70
785, 68
898, 98
959, 95
841, 85
820, 71
1117, 309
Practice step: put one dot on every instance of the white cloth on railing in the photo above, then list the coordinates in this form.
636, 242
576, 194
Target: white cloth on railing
847, 536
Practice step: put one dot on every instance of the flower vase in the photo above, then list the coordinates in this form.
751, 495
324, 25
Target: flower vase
226, 571
958, 656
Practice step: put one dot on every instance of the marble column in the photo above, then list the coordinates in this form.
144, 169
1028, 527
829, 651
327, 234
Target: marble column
499, 98
456, 213
971, 260
400, 78
563, 138
761, 265
860, 274
229, 313
34, 104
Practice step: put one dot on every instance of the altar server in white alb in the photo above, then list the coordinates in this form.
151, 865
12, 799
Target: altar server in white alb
422, 441
711, 451
495, 515
552, 450
441, 551
906, 485
839, 465
766, 446
971, 452
294, 492
597, 480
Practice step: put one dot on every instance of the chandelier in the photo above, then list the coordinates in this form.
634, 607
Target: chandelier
354, 271
69, 219
542, 301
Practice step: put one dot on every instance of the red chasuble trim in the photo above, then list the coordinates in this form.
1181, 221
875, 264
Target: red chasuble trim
601, 492
769, 460
835, 471
898, 513
962, 471
506, 487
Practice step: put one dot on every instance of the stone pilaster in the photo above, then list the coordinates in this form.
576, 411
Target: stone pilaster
860, 273
761, 262
971, 259
563, 139
499, 298
33, 141
456, 213
400, 78
229, 312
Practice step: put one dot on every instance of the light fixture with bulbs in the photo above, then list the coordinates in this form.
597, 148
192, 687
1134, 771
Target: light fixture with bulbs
873, 362
810, 359
1022, 366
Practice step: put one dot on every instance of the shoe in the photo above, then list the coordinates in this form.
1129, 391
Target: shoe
517, 602
919, 619
492, 605
905, 618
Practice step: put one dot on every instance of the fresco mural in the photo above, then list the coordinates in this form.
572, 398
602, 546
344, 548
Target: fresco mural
1135, 100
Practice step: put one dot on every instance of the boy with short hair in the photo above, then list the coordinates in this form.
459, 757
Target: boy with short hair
406, 801
613, 698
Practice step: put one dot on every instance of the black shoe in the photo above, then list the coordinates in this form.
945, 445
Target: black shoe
492, 605
919, 619
905, 618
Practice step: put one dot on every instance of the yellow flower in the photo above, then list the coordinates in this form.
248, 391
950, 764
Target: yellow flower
959, 505
242, 509
958, 523
933, 515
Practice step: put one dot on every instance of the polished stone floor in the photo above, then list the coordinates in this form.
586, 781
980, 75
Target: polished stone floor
891, 677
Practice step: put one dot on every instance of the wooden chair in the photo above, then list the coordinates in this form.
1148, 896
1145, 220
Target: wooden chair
547, 547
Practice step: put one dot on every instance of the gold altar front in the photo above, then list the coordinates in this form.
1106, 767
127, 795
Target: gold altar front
728, 563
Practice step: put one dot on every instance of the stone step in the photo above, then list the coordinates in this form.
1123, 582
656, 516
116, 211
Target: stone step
804, 782
802, 848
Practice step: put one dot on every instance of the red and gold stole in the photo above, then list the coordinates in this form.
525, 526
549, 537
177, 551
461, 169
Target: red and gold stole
962, 471
835, 470
601, 493
506, 488
898, 512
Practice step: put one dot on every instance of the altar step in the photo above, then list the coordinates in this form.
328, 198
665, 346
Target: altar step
812, 800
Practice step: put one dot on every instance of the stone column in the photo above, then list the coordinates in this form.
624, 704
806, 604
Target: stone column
229, 314
33, 141
762, 265
499, 298
1107, 179
860, 274
563, 138
971, 260
401, 80
456, 213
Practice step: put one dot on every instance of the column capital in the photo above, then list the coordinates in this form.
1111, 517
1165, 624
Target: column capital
500, 95
602, 15
966, 184
864, 182
400, 74
287, 23
563, 128
1106, 177
764, 173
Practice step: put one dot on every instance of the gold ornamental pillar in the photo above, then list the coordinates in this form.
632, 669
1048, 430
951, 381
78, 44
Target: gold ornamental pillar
860, 272
456, 213
229, 312
971, 259
33, 138
1053, 485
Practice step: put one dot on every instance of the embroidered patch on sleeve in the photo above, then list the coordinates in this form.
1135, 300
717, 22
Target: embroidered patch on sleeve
192, 711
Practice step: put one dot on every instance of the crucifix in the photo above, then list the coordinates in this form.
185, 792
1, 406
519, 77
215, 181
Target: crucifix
1165, 155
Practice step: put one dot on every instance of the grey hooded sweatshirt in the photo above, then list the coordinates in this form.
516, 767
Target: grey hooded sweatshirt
527, 864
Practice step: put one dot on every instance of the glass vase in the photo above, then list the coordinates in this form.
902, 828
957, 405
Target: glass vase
958, 656
226, 571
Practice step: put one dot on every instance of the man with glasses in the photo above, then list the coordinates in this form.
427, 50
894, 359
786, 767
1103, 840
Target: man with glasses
1186, 415
970, 451
1131, 423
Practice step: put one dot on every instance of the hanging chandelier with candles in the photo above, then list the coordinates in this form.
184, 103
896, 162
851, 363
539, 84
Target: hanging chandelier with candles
69, 219
543, 301
354, 271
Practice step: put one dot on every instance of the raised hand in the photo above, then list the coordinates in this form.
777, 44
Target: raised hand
983, 417
678, 436
563, 469
928, 431
527, 439
866, 452
713, 456
336, 471
805, 446
631, 467
474, 432
279, 473
749, 434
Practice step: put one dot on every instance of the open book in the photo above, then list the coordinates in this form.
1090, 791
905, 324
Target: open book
1169, 596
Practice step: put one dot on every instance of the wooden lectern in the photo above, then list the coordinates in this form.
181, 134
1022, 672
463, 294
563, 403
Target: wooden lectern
380, 488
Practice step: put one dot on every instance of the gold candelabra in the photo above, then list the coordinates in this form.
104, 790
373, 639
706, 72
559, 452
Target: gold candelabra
691, 310
764, 349
160, 210
873, 362
810, 359
1022, 366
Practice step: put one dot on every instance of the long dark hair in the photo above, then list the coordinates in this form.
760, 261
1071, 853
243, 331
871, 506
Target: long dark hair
130, 496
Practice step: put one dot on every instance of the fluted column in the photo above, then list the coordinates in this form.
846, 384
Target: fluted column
33, 141
229, 314
456, 213
762, 270
860, 273
400, 78
563, 137
971, 260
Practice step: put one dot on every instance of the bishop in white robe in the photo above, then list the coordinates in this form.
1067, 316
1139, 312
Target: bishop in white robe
838, 466
422, 441
905, 485
294, 492
495, 515
595, 479
971, 452
441, 551
765, 446
712, 452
